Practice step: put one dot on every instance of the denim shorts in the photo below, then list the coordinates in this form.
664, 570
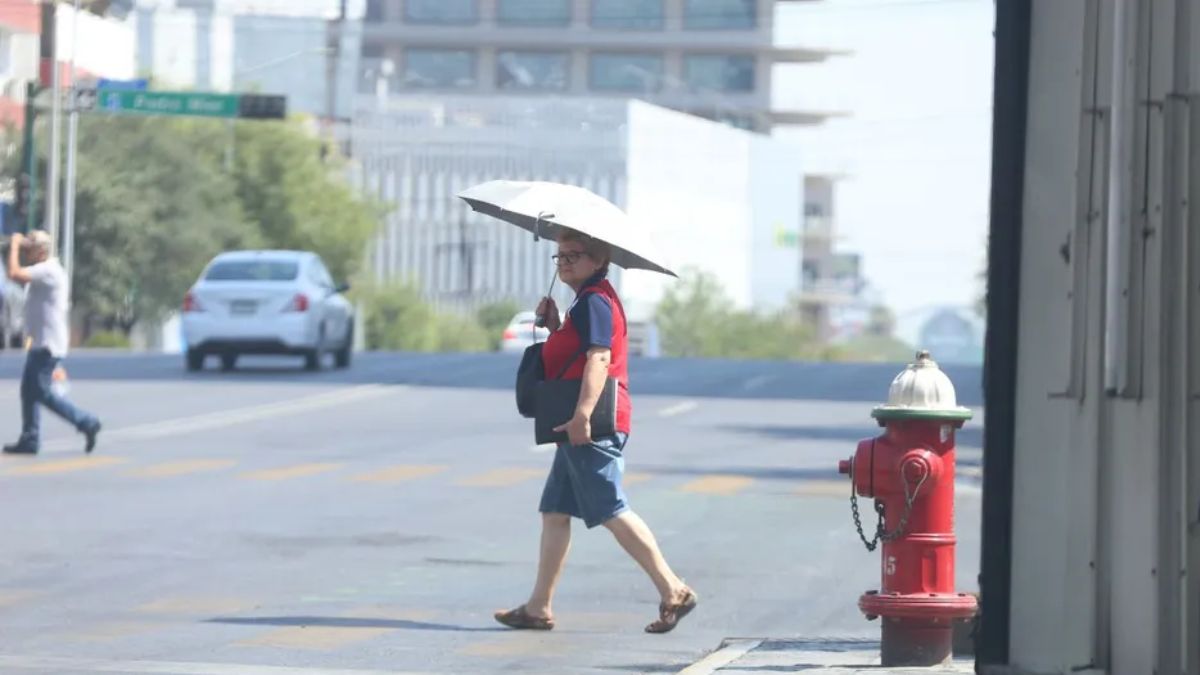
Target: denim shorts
585, 481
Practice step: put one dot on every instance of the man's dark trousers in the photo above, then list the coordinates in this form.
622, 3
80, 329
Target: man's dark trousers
37, 390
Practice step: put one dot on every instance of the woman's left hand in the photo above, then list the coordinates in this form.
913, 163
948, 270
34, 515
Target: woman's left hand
579, 430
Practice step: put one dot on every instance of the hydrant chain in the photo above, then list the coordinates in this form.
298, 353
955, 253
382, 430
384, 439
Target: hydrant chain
908, 507
881, 534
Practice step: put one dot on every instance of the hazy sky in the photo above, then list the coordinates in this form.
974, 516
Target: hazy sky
916, 149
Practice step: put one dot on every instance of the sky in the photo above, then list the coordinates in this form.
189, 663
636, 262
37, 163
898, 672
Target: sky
915, 148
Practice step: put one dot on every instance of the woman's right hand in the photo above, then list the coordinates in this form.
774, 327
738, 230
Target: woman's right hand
547, 309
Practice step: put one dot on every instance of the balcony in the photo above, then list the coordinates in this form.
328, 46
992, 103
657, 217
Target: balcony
578, 35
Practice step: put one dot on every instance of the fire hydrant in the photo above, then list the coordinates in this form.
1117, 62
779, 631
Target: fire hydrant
909, 472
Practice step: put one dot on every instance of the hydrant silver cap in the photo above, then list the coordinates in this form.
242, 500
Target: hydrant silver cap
922, 391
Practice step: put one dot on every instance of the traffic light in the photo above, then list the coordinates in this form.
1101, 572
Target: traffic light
262, 107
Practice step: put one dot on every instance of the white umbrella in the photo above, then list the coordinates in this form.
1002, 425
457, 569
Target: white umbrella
546, 208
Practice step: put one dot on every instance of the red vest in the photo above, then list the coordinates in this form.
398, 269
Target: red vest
565, 342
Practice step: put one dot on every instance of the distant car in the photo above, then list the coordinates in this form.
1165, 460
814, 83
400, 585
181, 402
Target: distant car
520, 333
267, 302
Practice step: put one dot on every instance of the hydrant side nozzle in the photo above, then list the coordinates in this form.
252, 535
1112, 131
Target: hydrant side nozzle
844, 467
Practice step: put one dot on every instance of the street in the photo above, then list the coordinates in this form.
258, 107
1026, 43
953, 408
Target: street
275, 521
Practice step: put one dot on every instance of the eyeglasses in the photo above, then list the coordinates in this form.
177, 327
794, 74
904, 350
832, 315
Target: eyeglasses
567, 258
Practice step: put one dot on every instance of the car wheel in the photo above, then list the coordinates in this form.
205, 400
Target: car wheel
195, 361
229, 361
312, 360
345, 353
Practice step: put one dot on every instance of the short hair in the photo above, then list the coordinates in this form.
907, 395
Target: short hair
41, 240
596, 249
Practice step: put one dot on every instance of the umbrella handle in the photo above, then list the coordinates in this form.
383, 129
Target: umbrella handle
540, 320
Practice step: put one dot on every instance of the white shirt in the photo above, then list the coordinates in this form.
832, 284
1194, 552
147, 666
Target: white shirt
46, 307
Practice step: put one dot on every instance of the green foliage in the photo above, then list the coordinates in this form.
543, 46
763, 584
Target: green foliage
296, 199
398, 319
494, 318
462, 334
156, 200
148, 217
697, 319
873, 348
107, 339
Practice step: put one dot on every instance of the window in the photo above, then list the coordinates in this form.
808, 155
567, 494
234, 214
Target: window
626, 72
628, 14
441, 11
319, 275
534, 12
717, 72
372, 51
375, 10
253, 270
720, 14
532, 70
439, 68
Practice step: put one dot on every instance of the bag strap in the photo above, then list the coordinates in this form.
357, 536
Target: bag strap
571, 362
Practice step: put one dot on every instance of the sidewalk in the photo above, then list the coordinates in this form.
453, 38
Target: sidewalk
755, 656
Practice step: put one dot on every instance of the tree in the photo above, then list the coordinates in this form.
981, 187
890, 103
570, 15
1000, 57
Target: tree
494, 318
156, 202
697, 319
690, 313
299, 201
148, 217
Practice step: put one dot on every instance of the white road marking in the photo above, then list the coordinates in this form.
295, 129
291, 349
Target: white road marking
678, 409
59, 664
227, 418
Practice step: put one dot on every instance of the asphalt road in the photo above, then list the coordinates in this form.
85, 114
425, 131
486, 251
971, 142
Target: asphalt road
275, 521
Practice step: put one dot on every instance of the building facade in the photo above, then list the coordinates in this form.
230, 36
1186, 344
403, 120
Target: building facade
710, 58
715, 198
228, 45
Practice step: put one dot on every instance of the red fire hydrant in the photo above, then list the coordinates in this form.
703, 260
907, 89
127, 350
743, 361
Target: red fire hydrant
909, 472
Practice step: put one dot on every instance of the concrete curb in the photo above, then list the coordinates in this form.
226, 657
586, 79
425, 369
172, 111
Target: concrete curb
730, 650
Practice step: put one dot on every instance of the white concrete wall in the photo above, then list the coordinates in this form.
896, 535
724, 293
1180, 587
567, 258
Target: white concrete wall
777, 208
1105, 517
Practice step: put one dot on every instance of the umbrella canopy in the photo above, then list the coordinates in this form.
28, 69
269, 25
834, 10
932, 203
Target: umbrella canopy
545, 209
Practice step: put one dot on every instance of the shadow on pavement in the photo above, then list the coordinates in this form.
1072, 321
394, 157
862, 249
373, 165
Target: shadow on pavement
719, 378
759, 473
349, 622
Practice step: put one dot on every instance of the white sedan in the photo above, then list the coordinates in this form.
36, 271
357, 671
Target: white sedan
521, 332
267, 302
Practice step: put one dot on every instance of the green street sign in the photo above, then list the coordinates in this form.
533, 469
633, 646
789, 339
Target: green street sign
124, 102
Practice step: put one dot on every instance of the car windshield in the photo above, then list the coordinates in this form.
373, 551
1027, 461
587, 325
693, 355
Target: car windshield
253, 270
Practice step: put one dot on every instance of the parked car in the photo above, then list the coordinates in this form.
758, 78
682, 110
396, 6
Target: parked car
267, 302
520, 333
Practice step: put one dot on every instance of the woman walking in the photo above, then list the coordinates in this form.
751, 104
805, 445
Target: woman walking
585, 479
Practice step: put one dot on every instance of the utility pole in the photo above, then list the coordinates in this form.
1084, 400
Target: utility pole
333, 62
50, 32
68, 248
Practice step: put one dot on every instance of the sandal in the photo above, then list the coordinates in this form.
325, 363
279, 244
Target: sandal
521, 620
669, 616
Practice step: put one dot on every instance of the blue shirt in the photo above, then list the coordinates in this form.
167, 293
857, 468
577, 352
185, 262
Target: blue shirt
592, 317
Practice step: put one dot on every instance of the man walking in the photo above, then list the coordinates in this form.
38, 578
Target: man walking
46, 325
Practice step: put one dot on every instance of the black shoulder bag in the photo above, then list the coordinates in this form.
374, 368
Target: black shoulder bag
555, 402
